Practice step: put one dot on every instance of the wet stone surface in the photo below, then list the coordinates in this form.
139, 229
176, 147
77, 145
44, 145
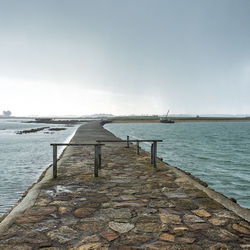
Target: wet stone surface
130, 205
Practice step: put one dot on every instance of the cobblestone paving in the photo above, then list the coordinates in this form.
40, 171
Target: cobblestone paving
129, 206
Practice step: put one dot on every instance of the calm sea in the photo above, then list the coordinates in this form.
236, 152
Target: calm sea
216, 152
24, 157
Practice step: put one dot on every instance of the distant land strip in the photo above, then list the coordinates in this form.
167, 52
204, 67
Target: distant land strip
179, 119
131, 119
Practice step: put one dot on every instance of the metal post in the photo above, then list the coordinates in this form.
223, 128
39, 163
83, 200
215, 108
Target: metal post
152, 153
54, 161
96, 161
137, 147
99, 157
155, 153
127, 141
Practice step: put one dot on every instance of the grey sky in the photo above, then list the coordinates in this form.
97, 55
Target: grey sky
61, 57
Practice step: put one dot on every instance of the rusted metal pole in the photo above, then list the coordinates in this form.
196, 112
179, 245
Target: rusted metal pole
96, 161
152, 153
137, 148
127, 141
155, 153
54, 161
99, 156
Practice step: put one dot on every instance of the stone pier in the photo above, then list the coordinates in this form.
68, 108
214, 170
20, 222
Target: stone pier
130, 205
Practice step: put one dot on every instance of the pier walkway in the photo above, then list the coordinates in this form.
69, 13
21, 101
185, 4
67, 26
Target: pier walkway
130, 205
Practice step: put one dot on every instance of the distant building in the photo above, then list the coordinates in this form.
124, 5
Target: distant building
7, 113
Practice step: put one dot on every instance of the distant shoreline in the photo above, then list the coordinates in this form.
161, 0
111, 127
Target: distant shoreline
180, 119
129, 119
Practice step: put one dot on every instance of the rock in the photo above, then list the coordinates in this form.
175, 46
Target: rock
129, 191
93, 202
188, 240
29, 219
96, 200
186, 204
122, 213
92, 227
42, 202
51, 248
219, 246
129, 204
192, 219
111, 165
180, 180
218, 221
46, 225
200, 226
84, 212
39, 211
233, 200
109, 235
220, 234
60, 203
179, 228
164, 203
158, 245
90, 239
170, 218
149, 227
13, 247
134, 239
226, 214
201, 213
29, 238
175, 194
121, 227
63, 234
197, 194
146, 219
208, 203
240, 229
245, 240
245, 246
167, 237
89, 246
68, 220
106, 205
245, 224
64, 210
127, 197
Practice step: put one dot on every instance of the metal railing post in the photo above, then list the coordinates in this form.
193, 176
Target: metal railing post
99, 156
152, 153
137, 147
127, 141
96, 163
155, 153
54, 161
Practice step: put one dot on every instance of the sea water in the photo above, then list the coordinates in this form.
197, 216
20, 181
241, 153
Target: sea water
23, 157
216, 152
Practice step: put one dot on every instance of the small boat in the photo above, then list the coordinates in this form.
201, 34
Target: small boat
166, 120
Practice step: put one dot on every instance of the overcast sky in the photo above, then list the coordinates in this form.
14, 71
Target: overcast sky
77, 57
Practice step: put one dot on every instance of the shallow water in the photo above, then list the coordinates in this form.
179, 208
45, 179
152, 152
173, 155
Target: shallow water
24, 157
216, 152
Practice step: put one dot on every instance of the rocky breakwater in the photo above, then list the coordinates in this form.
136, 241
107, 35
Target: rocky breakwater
130, 205
34, 130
